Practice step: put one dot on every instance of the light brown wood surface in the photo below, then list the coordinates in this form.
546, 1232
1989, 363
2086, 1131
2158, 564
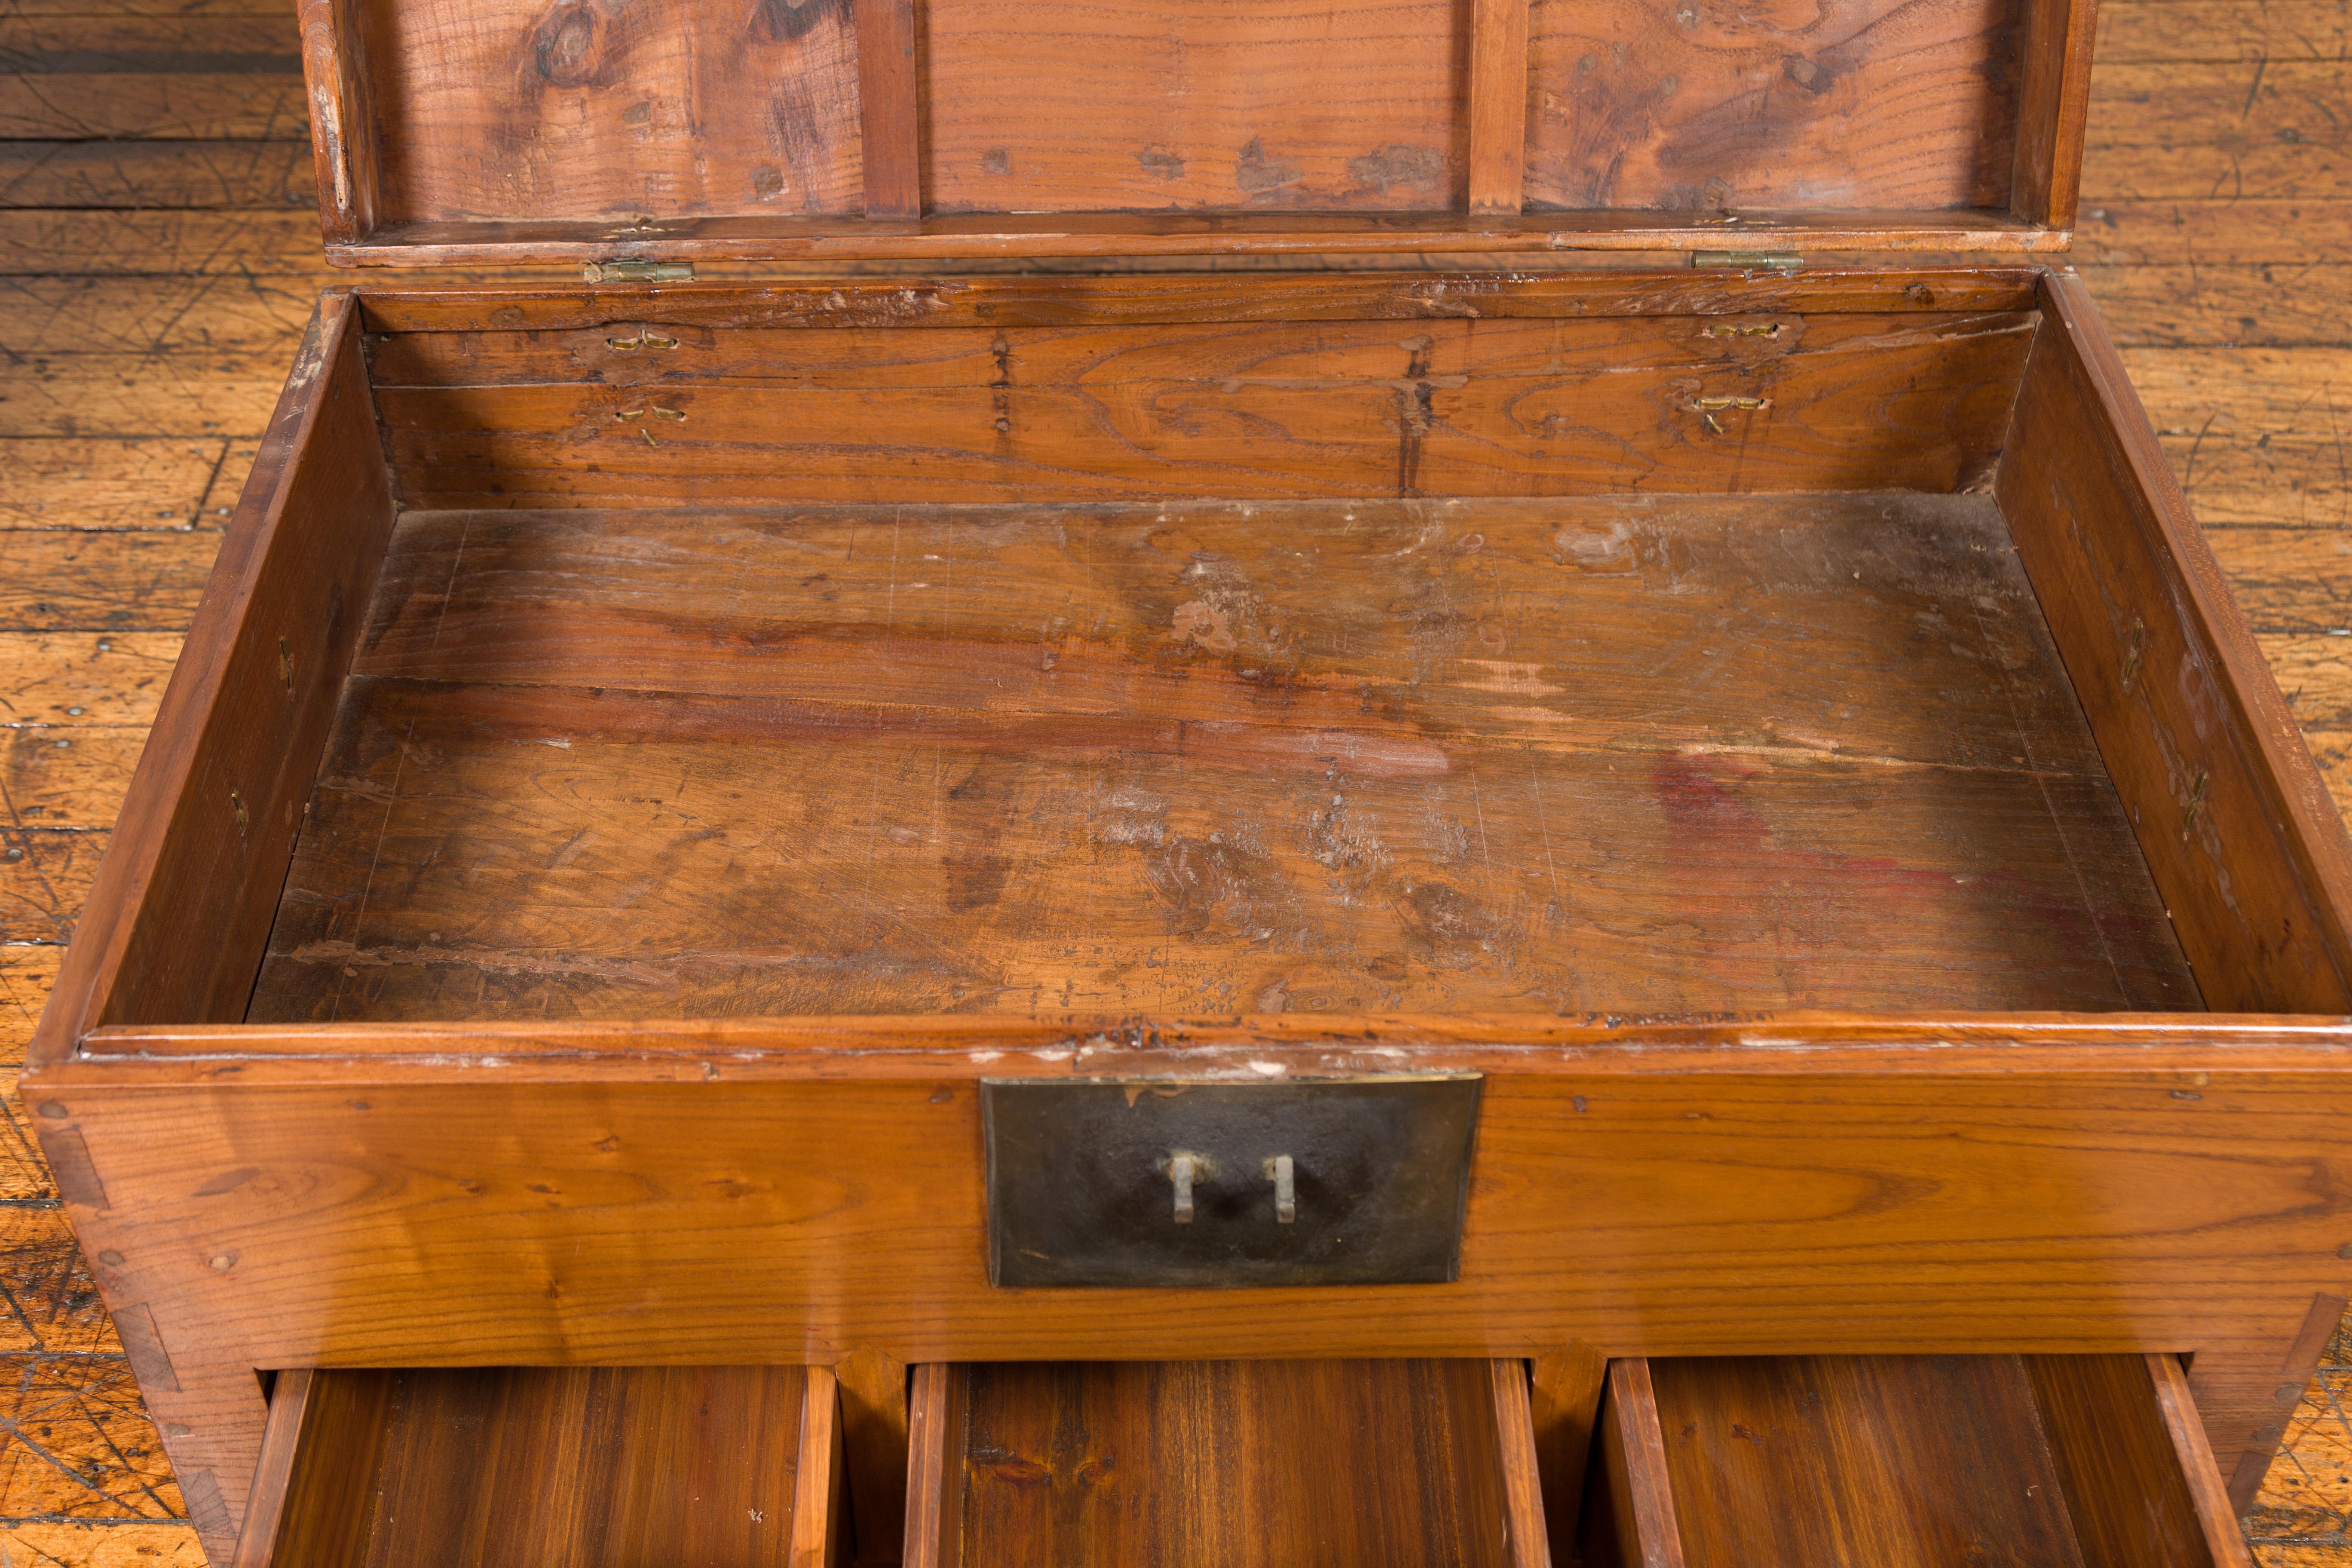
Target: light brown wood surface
1792, 1461
2222, 295
1193, 759
1257, 1463
716, 1466
524, 132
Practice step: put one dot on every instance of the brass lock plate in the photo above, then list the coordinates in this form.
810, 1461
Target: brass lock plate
1154, 1184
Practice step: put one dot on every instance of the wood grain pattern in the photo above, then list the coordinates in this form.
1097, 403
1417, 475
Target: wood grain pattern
2216, 1512
1898, 1461
937, 1443
2288, 119
2055, 110
1148, 105
1858, 104
693, 138
1065, 234
1779, 1462
282, 1446
1566, 1387
2254, 228
1628, 1514
343, 127
1527, 1537
817, 1484
2123, 1196
1273, 746
1456, 407
695, 1466
2131, 1498
874, 1416
889, 108
2236, 824
1233, 1463
1498, 95
238, 735
138, 582
520, 109
194, 105
1161, 299
333, 1456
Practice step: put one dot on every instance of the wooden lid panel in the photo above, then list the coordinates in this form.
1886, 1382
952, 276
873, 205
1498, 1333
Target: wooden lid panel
455, 132
1698, 106
597, 110
1232, 106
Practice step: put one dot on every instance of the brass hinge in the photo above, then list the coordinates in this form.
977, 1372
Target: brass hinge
637, 271
1749, 261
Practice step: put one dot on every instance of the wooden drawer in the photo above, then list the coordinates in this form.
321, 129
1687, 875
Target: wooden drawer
1234, 1464
2042, 1462
499, 1467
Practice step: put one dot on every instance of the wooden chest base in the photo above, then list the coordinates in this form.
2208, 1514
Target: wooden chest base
647, 758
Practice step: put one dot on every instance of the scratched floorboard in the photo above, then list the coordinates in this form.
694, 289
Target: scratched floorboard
2217, 234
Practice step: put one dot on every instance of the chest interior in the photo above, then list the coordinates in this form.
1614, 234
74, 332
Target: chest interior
1656, 663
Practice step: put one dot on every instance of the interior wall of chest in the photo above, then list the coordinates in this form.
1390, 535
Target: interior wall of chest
1649, 663
625, 414
588, 110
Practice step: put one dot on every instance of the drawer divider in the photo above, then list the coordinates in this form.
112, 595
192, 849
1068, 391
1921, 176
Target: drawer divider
935, 1467
290, 1402
1639, 1493
1515, 1436
2206, 1492
816, 1484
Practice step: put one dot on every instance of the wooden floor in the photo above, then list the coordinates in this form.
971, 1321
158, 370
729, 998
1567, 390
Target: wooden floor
159, 254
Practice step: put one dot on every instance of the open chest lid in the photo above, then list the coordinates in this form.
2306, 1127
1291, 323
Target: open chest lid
651, 131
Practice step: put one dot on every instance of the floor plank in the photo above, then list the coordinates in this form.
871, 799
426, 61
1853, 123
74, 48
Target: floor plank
53, 778
52, 173
2225, 304
220, 312
83, 42
102, 582
2259, 128
2137, 32
182, 105
2203, 229
281, 242
80, 483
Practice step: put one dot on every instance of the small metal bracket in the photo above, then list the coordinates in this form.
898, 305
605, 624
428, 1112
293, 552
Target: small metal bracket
636, 272
1748, 260
1155, 1183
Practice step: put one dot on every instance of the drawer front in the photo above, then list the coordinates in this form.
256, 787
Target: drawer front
1832, 1461
586, 1468
2080, 1461
1269, 1464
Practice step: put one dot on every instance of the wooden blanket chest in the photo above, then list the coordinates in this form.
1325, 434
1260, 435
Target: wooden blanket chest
1558, 908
